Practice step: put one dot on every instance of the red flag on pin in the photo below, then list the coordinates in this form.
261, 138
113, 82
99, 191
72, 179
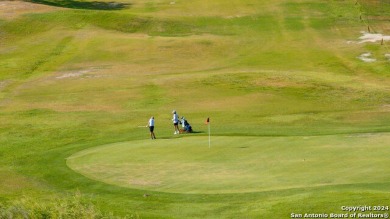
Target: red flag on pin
207, 121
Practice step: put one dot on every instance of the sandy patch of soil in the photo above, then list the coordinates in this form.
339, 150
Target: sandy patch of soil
370, 38
373, 37
73, 74
77, 74
13, 9
366, 57
385, 107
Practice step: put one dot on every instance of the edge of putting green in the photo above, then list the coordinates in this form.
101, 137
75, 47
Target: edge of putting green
284, 163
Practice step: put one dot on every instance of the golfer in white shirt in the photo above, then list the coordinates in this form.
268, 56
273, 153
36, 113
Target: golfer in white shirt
151, 127
175, 120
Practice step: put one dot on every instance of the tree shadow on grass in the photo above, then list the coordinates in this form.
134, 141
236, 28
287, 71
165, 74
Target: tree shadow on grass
92, 5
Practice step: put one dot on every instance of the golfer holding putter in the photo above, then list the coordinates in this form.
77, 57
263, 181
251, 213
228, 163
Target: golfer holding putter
175, 121
151, 128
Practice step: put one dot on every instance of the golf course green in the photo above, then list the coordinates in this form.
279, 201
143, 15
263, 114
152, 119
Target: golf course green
297, 92
237, 164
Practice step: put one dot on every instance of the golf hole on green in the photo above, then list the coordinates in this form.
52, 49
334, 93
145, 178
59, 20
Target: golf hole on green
236, 164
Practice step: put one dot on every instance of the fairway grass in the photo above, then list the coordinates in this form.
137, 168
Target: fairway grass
299, 122
237, 164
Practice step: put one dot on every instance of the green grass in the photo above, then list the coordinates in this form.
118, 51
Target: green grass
74, 207
237, 164
277, 76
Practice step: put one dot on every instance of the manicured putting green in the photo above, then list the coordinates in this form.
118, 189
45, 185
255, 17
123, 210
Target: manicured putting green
237, 164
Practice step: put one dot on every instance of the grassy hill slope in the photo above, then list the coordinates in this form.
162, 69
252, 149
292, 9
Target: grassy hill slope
77, 74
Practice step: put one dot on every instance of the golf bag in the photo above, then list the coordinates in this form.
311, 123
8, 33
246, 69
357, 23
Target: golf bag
186, 126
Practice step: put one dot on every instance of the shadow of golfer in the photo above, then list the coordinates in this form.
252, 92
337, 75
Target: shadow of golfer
93, 5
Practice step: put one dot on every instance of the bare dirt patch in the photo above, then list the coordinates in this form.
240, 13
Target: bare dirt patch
373, 37
367, 57
385, 108
83, 73
13, 9
73, 74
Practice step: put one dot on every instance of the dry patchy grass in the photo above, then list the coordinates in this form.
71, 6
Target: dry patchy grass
14, 9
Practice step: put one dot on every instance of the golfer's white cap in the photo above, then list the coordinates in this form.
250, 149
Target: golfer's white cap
174, 111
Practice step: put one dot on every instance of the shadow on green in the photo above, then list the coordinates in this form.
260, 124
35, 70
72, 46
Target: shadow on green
94, 5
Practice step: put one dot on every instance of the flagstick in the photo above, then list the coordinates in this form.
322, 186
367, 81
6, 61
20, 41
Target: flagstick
209, 136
